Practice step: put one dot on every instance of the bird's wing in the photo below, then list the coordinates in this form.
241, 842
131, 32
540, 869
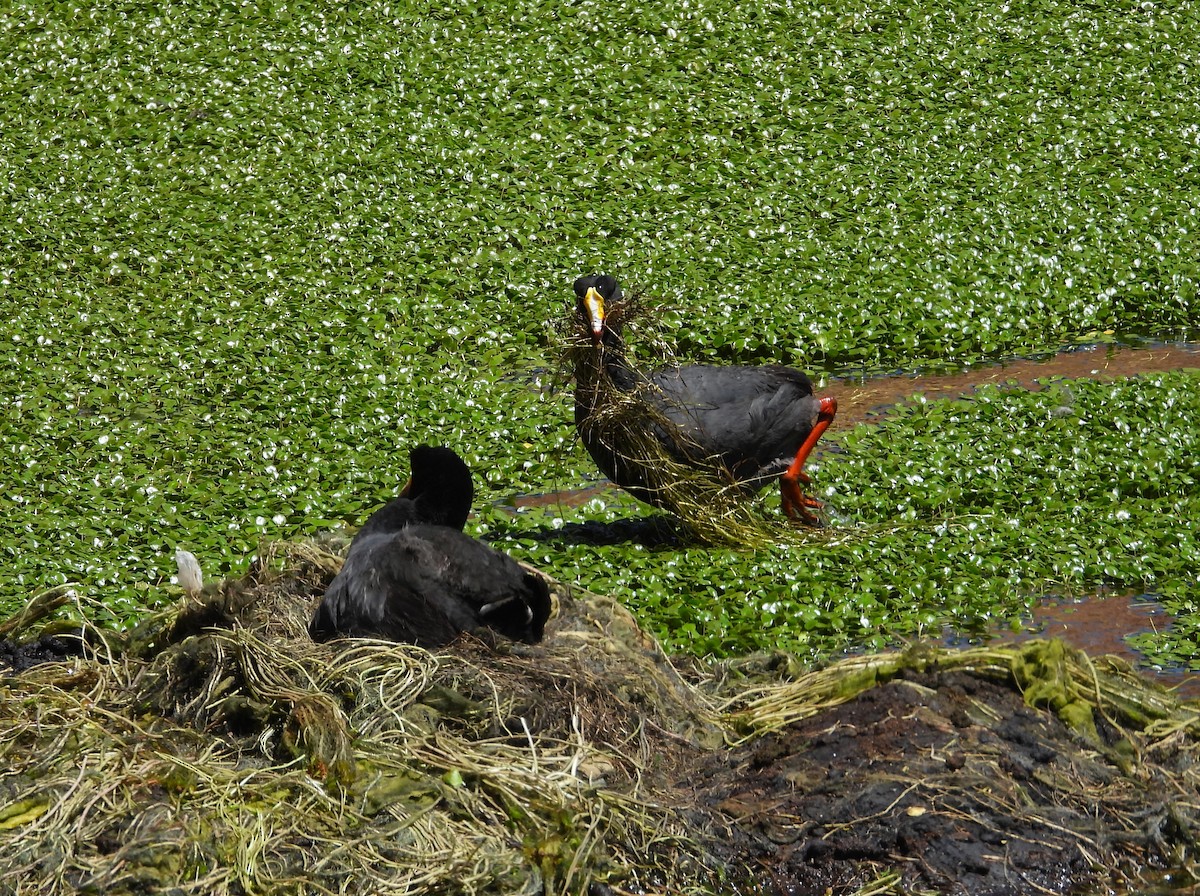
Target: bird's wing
407, 590
489, 585
746, 415
426, 584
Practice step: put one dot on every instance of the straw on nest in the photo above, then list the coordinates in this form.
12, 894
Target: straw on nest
216, 749
651, 449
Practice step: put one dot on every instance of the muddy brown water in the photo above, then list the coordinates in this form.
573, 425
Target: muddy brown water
864, 400
1098, 623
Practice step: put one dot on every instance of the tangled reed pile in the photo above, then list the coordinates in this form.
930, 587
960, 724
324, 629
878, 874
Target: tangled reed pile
217, 750
710, 502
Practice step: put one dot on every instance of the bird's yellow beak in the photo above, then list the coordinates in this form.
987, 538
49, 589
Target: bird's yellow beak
594, 303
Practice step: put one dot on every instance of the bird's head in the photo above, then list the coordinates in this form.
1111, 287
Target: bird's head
595, 299
440, 486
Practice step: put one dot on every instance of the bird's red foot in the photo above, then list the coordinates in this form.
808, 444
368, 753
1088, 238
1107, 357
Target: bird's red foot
796, 504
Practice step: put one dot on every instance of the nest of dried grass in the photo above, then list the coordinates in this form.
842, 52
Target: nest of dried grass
216, 749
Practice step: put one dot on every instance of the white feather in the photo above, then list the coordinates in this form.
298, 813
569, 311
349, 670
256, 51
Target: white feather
190, 577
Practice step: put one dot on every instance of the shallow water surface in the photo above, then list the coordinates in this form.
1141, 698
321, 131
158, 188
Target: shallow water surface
864, 400
1098, 624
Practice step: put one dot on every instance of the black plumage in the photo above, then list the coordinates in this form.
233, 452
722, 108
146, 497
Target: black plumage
412, 575
740, 425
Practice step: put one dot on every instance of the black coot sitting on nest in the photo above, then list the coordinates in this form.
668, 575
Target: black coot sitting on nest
744, 426
412, 575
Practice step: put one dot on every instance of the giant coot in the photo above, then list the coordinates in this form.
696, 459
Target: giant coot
412, 575
746, 424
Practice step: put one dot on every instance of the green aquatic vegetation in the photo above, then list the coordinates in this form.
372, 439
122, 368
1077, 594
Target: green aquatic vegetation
248, 257
951, 512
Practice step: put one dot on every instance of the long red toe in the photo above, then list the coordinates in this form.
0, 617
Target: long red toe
795, 502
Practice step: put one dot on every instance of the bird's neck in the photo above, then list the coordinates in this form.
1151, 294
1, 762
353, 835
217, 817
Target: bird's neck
601, 371
391, 517
451, 507
448, 506
603, 365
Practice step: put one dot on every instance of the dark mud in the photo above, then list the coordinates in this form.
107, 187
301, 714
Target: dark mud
946, 782
19, 656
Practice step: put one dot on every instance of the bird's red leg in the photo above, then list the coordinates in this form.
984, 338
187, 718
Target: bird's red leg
795, 502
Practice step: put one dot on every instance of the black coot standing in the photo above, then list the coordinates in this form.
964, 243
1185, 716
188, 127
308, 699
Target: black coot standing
412, 575
751, 424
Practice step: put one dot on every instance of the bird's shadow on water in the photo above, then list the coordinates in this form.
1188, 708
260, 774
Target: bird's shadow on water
660, 531
663, 531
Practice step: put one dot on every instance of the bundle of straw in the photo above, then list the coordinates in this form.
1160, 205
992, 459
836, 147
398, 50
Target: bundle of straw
619, 416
